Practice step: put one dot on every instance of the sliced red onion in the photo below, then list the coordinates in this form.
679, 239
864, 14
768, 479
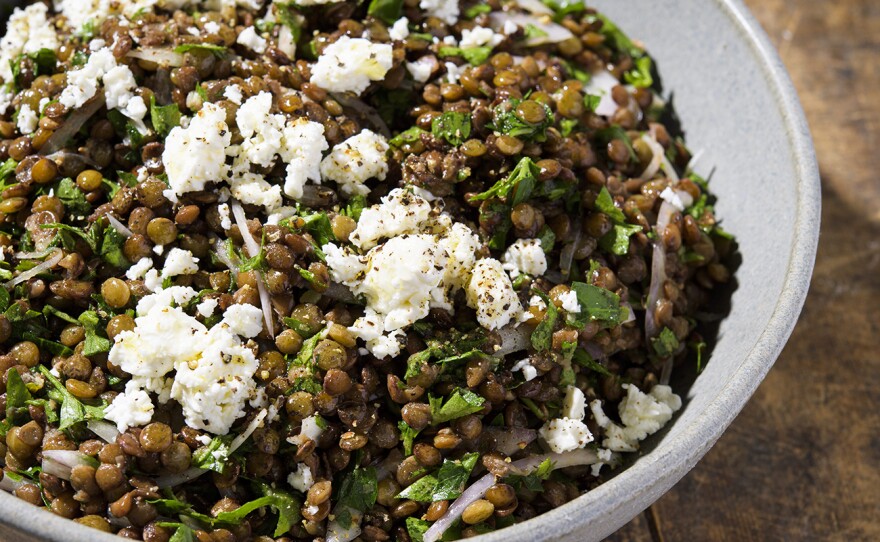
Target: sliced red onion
71, 126
60, 462
514, 337
566, 255
174, 480
118, 226
50, 262
658, 269
106, 430
631, 315
255, 423
511, 440
595, 351
478, 489
534, 6
657, 156
224, 258
552, 32
388, 465
336, 533
7, 483
34, 255
159, 56
600, 84
253, 248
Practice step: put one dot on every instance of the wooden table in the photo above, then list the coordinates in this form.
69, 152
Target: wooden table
802, 461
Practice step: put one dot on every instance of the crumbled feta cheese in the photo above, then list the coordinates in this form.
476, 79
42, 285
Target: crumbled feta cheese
565, 434
453, 72
27, 120
6, 96
345, 267
421, 69
677, 198
152, 281
525, 256
528, 370
233, 94
574, 404
207, 306
261, 130
301, 479
358, 158
196, 155
303, 149
351, 64
491, 293
510, 27
250, 39
27, 31
399, 30
538, 303
570, 302
312, 428
279, 214
641, 414
461, 244
447, 10
132, 408
286, 42
119, 86
82, 84
213, 370
479, 36
245, 320
158, 250
80, 12
225, 217
180, 262
193, 103
252, 188
139, 269
211, 27
400, 212
371, 329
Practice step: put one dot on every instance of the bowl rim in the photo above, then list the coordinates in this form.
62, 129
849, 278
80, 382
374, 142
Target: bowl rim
681, 453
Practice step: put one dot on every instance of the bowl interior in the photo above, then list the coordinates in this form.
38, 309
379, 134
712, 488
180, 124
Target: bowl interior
738, 109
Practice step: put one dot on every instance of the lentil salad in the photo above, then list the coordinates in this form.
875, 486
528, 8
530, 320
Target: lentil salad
336, 271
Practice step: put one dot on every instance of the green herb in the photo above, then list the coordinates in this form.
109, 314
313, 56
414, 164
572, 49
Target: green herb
111, 248
72, 198
452, 126
414, 526
126, 128
474, 55
640, 76
547, 238
55, 348
7, 168
313, 280
617, 240
95, 341
182, 533
618, 39
301, 328
665, 344
17, 394
164, 117
355, 207
477, 9
357, 491
542, 337
453, 475
305, 383
447, 350
597, 305
409, 136
461, 403
507, 120
407, 435
213, 456
306, 355
129, 179
45, 61
567, 126
584, 359
285, 505
699, 346
318, 224
605, 204
532, 31
561, 8
386, 10
73, 410
290, 19
532, 481
497, 213
591, 101
216, 50
525, 173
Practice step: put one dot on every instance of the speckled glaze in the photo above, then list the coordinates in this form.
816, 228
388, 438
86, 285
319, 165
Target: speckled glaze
739, 109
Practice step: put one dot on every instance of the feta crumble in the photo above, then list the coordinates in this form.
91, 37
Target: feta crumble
479, 36
447, 10
196, 155
400, 212
641, 414
491, 293
27, 120
399, 31
351, 64
301, 479
421, 69
358, 158
528, 370
565, 434
570, 302
525, 256
179, 262
253, 41
27, 31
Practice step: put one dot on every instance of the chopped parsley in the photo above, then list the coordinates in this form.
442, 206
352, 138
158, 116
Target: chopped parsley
507, 119
542, 336
461, 403
523, 177
216, 50
446, 484
452, 126
665, 344
357, 491
474, 55
164, 117
386, 10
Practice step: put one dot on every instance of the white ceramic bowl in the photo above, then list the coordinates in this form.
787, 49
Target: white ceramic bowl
738, 107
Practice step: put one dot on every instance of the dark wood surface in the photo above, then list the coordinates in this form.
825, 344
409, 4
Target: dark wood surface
802, 461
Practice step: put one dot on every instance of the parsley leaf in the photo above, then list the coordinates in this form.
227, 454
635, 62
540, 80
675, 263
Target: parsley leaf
285, 505
164, 117
355, 207
542, 337
182, 532
318, 224
561, 8
216, 50
547, 238
407, 435
507, 119
358, 489
474, 55
584, 359
640, 76
111, 248
452, 126
454, 348
95, 341
7, 168
605, 204
461, 403
17, 394
617, 240
409, 136
72, 198
567, 126
453, 475
213, 456
532, 31
386, 10
525, 173
665, 344
477, 9
597, 305
591, 101
72, 409
532, 481
414, 526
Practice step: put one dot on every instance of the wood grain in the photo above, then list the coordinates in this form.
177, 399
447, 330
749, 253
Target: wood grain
802, 461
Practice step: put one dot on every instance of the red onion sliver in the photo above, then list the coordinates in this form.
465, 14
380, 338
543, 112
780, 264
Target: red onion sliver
106, 430
71, 126
118, 226
60, 462
173, 480
37, 269
159, 56
253, 248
